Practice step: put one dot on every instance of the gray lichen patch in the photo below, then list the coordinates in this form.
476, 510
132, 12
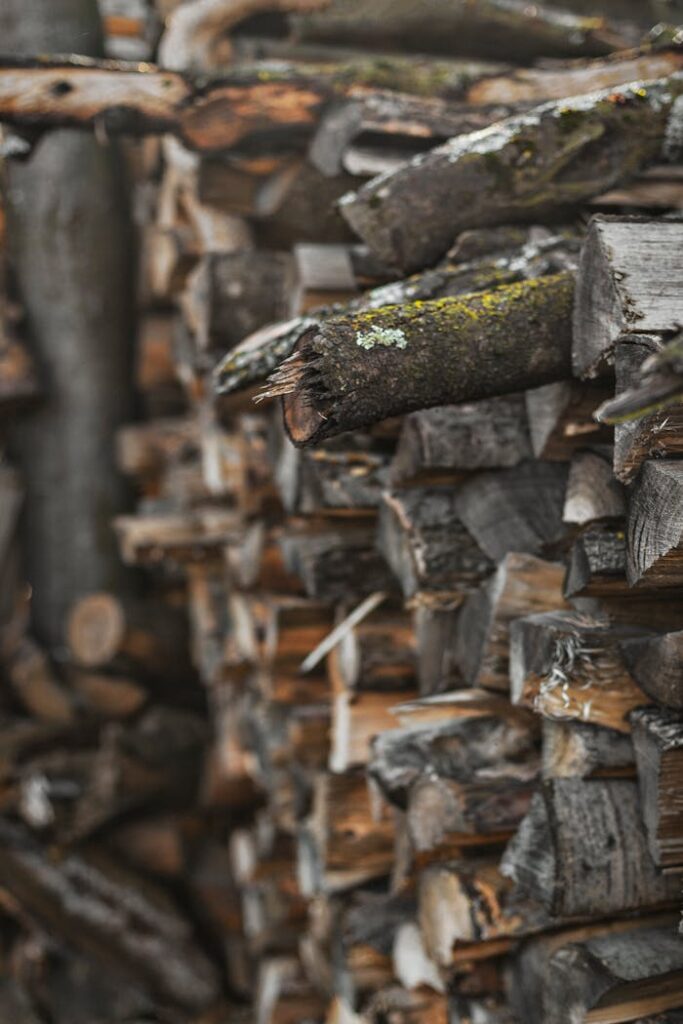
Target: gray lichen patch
388, 337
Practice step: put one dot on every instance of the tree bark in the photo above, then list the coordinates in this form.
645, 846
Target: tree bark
356, 370
77, 294
533, 165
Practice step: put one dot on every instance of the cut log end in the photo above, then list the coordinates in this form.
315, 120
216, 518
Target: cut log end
95, 629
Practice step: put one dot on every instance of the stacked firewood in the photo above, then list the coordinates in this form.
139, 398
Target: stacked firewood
391, 730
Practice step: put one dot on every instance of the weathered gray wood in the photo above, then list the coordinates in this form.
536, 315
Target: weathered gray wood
580, 148
477, 435
352, 371
656, 432
521, 585
628, 283
658, 742
614, 977
655, 525
582, 850
492, 28
230, 295
656, 664
596, 565
424, 540
62, 203
592, 491
561, 418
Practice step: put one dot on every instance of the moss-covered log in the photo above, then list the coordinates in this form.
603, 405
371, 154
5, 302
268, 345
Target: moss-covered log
534, 254
482, 28
532, 165
355, 370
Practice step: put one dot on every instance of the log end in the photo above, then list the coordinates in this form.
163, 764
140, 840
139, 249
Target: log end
95, 629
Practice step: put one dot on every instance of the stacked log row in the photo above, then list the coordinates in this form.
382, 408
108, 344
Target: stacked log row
390, 731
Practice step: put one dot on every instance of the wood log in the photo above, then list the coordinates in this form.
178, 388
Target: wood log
616, 977
145, 938
655, 664
470, 748
654, 432
596, 565
348, 475
592, 491
575, 750
527, 989
561, 418
102, 632
527, 254
582, 850
435, 617
336, 561
378, 654
471, 902
493, 29
425, 542
442, 442
568, 665
586, 146
36, 685
654, 526
392, 355
521, 585
658, 743
230, 295
625, 286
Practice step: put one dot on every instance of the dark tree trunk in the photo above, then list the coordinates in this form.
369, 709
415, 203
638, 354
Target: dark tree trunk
69, 238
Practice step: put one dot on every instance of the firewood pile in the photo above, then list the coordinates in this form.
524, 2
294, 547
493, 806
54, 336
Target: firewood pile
389, 730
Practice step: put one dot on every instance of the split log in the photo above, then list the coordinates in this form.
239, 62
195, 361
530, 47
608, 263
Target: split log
341, 846
36, 685
596, 565
574, 750
337, 560
580, 147
627, 285
230, 295
377, 654
656, 662
521, 585
592, 491
402, 358
472, 747
425, 542
435, 617
441, 442
655, 526
490, 29
356, 720
616, 977
658, 742
566, 665
272, 630
515, 510
582, 850
469, 903
561, 418
89, 905
527, 988
655, 428
347, 475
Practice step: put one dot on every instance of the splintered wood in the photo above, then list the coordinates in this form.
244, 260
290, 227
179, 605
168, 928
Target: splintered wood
388, 727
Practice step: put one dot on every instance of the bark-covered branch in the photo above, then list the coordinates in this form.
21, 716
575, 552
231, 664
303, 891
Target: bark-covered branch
355, 370
532, 165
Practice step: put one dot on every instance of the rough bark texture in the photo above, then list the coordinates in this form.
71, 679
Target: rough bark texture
656, 664
539, 163
655, 525
356, 370
658, 742
582, 850
74, 289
